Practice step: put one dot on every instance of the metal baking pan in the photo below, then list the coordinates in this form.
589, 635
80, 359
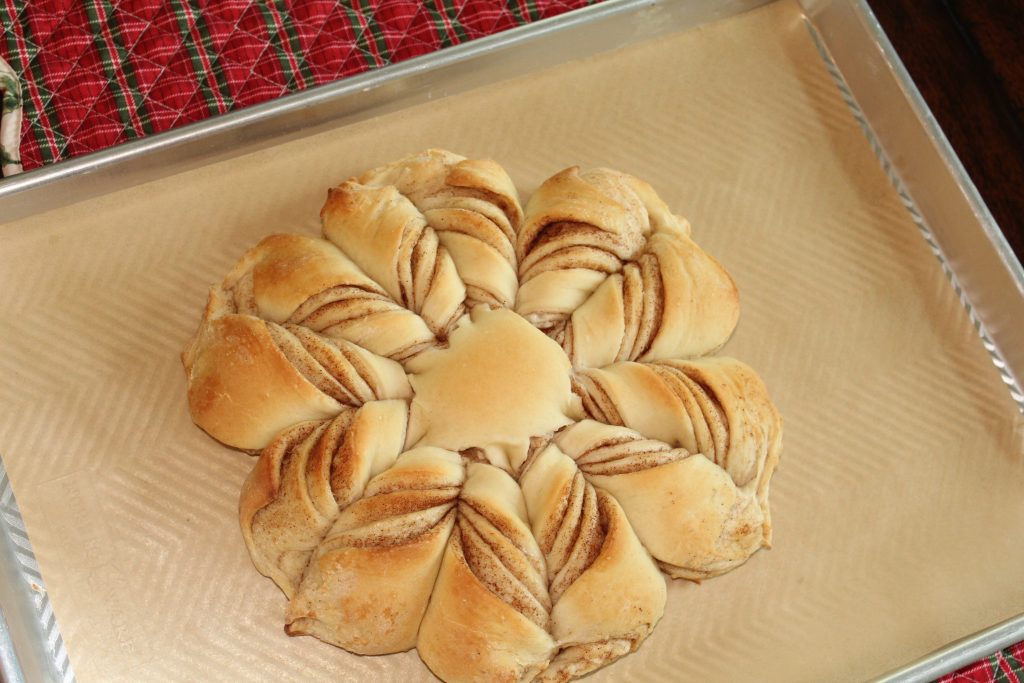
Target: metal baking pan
944, 203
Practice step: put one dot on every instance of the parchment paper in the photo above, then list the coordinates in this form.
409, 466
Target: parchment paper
898, 508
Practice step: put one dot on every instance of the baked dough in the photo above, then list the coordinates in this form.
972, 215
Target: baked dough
474, 208
296, 279
718, 407
697, 492
489, 612
609, 272
306, 476
484, 431
472, 393
422, 225
369, 580
606, 591
250, 378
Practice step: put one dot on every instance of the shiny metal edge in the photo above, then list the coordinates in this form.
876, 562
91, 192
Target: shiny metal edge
578, 34
31, 646
959, 653
958, 227
10, 667
884, 134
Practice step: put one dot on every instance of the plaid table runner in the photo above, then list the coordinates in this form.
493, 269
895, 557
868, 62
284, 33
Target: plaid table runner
95, 73
1002, 667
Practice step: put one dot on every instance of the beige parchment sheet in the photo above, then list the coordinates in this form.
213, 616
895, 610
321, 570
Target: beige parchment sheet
899, 506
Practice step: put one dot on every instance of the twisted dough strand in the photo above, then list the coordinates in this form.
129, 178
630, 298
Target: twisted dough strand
689, 512
473, 206
345, 372
688, 450
306, 476
400, 525
292, 278
564, 511
597, 405
579, 228
611, 274
639, 288
607, 592
498, 549
367, 317
386, 236
625, 453
718, 407
249, 378
489, 612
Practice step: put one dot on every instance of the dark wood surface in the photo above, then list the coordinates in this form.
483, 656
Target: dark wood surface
967, 58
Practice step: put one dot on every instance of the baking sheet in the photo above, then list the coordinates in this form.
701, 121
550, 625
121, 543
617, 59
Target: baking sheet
897, 508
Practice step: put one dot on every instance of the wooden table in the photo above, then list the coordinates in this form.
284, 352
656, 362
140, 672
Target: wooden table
967, 58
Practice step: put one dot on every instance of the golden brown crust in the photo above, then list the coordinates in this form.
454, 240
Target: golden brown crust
607, 592
482, 620
281, 550
675, 301
336, 355
471, 394
346, 372
306, 476
564, 514
715, 406
473, 206
367, 318
298, 279
578, 228
611, 274
368, 582
242, 388
384, 233
688, 511
249, 378
283, 270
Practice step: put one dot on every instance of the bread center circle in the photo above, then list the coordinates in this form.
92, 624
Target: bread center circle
500, 382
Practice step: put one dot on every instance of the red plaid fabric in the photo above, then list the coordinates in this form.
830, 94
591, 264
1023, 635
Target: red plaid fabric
99, 72
1002, 667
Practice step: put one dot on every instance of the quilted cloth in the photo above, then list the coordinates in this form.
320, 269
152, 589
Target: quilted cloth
97, 73
1006, 666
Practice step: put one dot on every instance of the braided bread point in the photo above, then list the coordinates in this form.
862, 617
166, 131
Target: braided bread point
674, 301
389, 238
473, 206
607, 592
306, 476
578, 229
718, 407
308, 281
489, 613
688, 512
369, 580
611, 274
248, 379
